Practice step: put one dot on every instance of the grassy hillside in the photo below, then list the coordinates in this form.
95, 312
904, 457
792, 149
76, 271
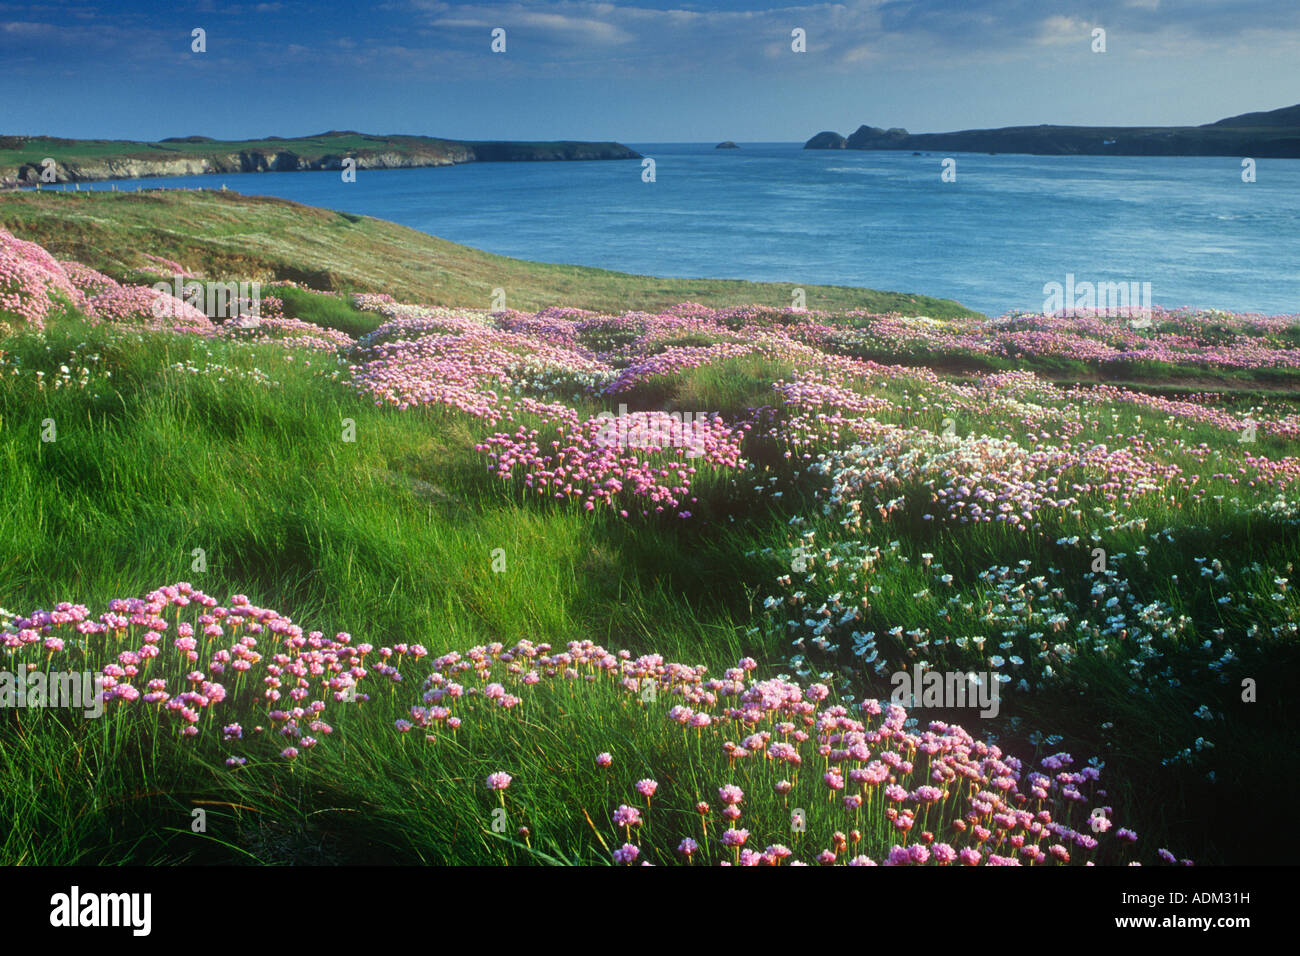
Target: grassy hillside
224, 234
79, 160
226, 464
465, 537
31, 149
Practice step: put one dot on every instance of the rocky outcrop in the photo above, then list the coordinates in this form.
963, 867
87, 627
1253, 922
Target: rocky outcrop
873, 137
507, 152
407, 154
125, 168
825, 140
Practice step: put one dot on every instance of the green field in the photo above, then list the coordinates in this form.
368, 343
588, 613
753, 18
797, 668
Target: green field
15, 150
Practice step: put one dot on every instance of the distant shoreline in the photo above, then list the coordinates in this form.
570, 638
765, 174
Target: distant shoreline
85, 169
1274, 135
31, 161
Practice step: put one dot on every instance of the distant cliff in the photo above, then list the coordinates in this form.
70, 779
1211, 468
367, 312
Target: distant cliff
1274, 134
22, 159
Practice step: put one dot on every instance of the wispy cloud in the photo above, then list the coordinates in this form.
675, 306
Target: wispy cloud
1057, 30
942, 58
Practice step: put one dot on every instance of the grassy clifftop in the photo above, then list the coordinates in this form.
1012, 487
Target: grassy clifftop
81, 160
227, 234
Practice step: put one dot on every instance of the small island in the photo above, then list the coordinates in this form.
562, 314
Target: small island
826, 140
22, 158
727, 145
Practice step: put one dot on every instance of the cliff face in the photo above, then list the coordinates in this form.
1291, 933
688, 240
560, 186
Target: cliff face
873, 137
399, 155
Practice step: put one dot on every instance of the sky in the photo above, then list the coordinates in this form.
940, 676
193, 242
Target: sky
641, 72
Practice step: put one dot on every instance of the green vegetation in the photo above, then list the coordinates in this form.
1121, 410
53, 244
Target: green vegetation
134, 459
327, 311
223, 234
22, 157
388, 538
176, 442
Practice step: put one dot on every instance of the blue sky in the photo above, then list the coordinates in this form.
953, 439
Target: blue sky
647, 71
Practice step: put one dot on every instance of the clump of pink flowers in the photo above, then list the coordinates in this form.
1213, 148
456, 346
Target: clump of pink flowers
33, 285
934, 796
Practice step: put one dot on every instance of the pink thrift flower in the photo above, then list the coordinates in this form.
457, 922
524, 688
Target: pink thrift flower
627, 854
626, 816
731, 794
735, 838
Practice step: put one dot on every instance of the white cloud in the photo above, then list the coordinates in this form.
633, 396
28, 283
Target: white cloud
591, 30
1062, 29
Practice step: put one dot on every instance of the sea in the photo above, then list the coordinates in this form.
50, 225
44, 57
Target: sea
993, 232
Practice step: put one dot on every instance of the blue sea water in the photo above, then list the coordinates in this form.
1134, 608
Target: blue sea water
992, 239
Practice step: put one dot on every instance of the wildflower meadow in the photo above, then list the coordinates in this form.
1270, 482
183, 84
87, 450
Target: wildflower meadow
362, 580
